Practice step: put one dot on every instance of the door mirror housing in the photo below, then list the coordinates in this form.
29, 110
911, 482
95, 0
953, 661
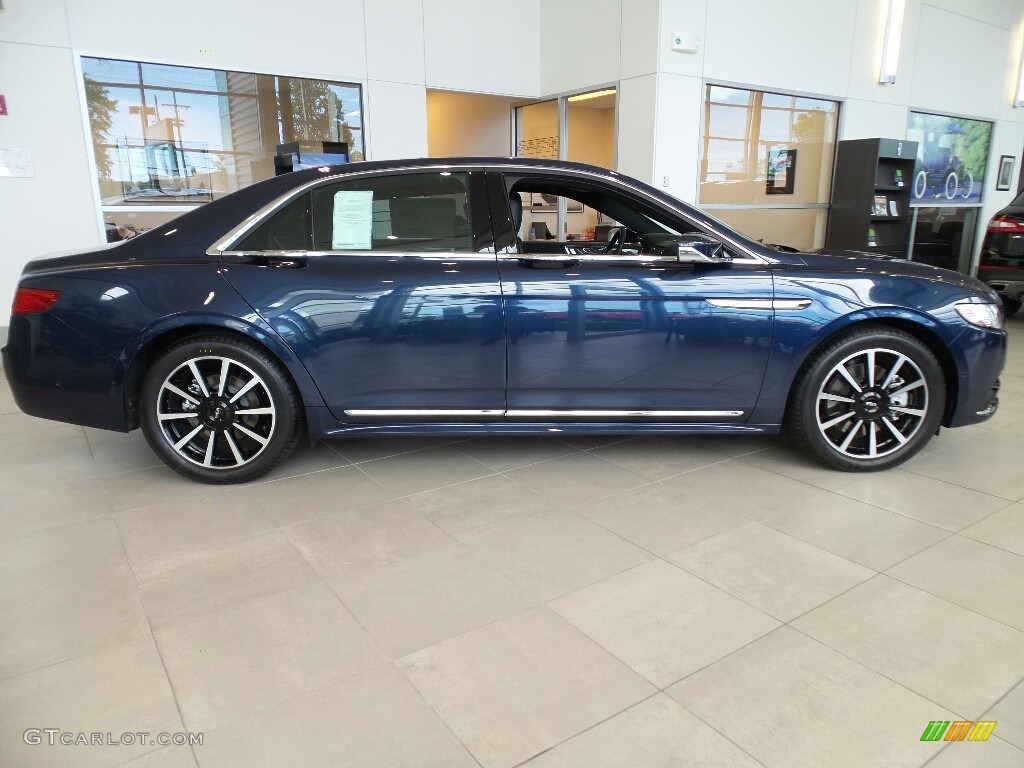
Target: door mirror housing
699, 249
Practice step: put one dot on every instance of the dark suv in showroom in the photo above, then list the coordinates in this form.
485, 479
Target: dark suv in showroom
1002, 255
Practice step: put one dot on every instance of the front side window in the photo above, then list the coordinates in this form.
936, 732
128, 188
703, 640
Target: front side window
421, 212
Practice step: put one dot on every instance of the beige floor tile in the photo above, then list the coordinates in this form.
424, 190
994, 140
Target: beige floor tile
421, 601
296, 499
576, 479
176, 526
123, 453
971, 470
557, 553
486, 504
192, 584
18, 475
51, 505
971, 574
873, 537
361, 449
306, 459
510, 452
45, 443
656, 733
923, 642
923, 498
370, 720
994, 753
737, 487
774, 572
19, 423
69, 619
252, 656
424, 470
166, 757
53, 555
790, 701
662, 621
659, 517
155, 485
367, 537
660, 457
1004, 529
1009, 713
117, 691
516, 687
785, 459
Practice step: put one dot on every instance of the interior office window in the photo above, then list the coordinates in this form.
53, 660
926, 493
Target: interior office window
946, 198
766, 163
418, 212
169, 138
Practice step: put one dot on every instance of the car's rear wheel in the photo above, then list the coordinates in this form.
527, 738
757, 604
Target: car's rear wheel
868, 400
219, 410
920, 184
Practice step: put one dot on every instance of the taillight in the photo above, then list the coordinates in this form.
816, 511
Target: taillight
1006, 224
30, 301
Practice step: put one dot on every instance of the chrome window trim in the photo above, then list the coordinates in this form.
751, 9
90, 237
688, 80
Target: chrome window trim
428, 255
240, 230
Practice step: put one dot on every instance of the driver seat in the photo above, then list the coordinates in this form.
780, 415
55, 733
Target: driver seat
515, 204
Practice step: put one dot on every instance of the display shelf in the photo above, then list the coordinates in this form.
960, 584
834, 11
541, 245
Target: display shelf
867, 172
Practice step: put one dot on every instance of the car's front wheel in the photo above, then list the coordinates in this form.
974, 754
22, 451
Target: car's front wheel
219, 410
1010, 307
868, 400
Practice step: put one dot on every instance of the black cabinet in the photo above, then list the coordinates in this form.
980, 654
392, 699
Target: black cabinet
870, 208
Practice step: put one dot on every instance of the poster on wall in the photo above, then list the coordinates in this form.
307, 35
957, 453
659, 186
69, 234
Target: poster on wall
952, 154
781, 171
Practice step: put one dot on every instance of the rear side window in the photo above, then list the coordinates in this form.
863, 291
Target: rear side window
403, 212
287, 230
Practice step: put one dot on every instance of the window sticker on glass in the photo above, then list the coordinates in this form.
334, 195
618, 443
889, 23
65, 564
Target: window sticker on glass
353, 221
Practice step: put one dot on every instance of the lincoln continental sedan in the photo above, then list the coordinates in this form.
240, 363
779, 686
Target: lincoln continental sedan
484, 296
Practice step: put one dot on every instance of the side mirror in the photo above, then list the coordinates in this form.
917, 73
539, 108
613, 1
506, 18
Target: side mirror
698, 249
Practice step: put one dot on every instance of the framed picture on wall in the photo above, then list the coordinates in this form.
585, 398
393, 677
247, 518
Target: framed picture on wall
781, 171
1005, 178
952, 155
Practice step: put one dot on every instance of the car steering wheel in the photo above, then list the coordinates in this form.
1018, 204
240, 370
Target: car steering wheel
617, 236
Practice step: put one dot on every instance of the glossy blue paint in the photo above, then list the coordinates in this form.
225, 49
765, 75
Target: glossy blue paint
479, 330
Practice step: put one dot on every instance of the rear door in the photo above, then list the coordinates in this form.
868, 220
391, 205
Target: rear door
386, 287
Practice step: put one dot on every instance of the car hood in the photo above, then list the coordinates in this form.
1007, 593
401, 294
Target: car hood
883, 264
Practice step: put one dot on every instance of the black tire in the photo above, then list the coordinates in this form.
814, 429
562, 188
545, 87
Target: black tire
1010, 307
213, 434
906, 388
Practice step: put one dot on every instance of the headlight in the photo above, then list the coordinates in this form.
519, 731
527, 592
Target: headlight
981, 315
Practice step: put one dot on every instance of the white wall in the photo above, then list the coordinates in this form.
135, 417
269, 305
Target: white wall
396, 49
958, 57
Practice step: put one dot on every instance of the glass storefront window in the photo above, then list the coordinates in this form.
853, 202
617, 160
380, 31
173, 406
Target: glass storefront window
167, 138
766, 165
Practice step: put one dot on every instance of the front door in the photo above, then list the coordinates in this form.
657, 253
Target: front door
604, 323
386, 287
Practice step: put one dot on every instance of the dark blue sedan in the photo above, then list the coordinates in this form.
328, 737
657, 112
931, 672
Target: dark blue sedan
442, 296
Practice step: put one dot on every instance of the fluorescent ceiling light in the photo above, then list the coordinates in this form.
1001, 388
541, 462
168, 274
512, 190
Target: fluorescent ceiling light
592, 95
891, 45
1018, 96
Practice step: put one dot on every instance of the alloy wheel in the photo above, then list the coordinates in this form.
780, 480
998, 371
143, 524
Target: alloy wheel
872, 403
216, 412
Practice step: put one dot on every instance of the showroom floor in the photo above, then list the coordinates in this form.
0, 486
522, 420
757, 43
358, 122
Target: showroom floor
596, 602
